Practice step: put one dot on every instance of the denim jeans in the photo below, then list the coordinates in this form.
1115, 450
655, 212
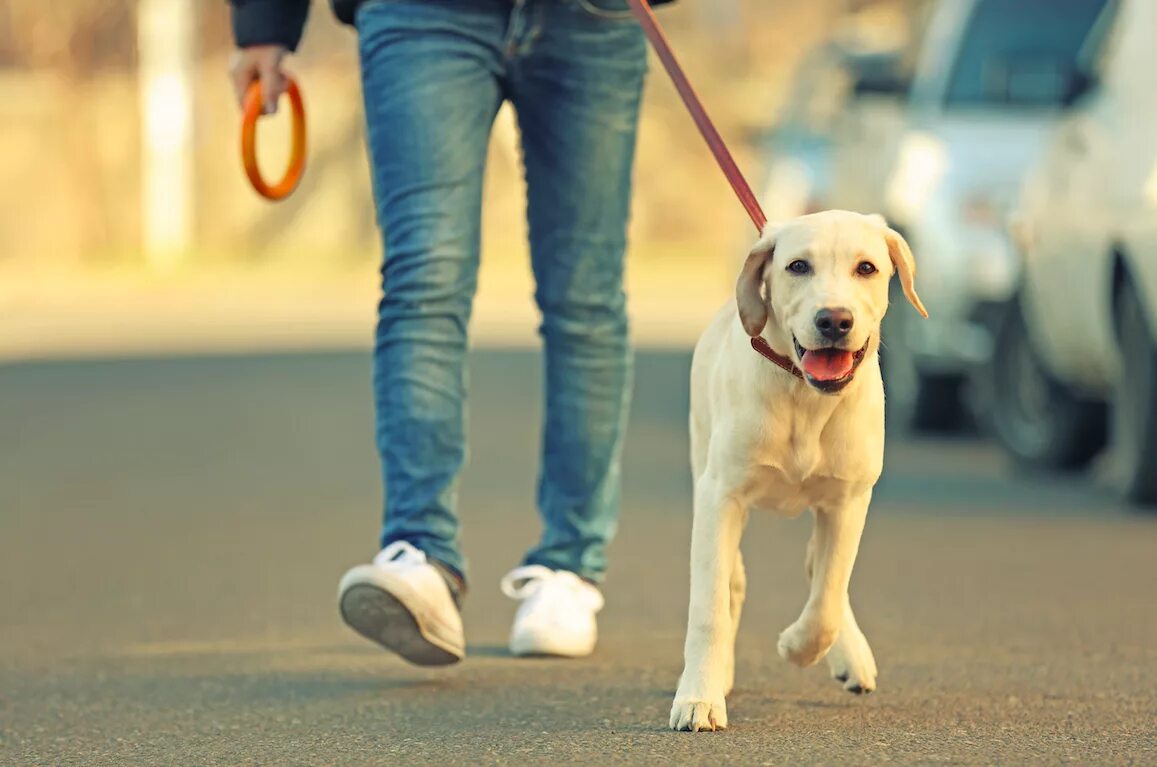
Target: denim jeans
434, 74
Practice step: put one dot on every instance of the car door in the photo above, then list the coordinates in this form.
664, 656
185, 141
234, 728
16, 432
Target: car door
1066, 280
1135, 172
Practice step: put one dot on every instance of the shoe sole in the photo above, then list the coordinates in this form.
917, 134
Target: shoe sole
380, 617
541, 647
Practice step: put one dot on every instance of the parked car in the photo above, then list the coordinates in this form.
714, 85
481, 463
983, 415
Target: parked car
1083, 330
798, 151
988, 85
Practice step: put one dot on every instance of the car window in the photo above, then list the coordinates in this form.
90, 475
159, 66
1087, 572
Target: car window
1101, 40
1021, 52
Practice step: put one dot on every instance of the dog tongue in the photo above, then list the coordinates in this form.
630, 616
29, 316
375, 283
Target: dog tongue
827, 364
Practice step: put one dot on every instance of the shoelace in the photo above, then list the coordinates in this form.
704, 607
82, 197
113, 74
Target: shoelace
523, 582
400, 553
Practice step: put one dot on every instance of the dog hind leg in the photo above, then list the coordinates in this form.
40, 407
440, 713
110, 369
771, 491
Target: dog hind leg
738, 595
851, 660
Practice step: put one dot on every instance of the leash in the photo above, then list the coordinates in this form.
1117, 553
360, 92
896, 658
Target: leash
646, 18
654, 32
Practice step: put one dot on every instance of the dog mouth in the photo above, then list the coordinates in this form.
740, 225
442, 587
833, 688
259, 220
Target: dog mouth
828, 368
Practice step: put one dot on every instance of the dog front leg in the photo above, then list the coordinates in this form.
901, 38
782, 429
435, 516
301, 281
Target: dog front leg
850, 660
836, 542
709, 652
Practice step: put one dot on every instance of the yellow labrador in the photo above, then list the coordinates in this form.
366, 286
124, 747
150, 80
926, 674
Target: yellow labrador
804, 433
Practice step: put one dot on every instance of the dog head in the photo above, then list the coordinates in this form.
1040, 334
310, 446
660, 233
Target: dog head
821, 281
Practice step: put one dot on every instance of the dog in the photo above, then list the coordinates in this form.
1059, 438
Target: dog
806, 432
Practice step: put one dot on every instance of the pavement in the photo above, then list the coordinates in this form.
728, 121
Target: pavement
172, 532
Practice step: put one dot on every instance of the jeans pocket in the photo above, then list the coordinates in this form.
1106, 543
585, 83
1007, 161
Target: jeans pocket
613, 10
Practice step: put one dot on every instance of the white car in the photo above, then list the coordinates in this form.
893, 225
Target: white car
989, 82
1084, 328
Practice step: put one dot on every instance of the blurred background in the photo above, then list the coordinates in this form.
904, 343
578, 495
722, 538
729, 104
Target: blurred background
119, 120
188, 459
1010, 142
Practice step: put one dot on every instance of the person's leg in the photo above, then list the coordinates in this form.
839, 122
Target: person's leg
576, 84
431, 80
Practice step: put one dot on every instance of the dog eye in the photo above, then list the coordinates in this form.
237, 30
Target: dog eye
865, 268
799, 266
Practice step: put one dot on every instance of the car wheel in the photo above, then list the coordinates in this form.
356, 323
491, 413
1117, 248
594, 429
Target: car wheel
939, 404
1135, 400
1039, 421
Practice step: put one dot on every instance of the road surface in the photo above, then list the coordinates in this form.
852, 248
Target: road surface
172, 533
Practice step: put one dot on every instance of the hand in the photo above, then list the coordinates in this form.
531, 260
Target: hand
259, 62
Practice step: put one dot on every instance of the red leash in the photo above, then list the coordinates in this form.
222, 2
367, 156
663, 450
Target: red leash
646, 16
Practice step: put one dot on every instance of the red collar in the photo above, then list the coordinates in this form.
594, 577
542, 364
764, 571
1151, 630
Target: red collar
764, 348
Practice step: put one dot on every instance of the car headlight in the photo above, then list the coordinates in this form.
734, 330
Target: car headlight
921, 164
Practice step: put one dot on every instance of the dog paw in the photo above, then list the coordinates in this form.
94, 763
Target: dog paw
698, 715
853, 665
805, 642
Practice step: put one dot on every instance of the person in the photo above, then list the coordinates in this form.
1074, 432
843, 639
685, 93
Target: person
434, 74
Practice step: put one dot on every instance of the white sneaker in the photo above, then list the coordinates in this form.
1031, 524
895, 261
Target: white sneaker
403, 603
557, 614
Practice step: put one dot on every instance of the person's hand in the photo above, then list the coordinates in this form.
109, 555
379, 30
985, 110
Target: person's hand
259, 62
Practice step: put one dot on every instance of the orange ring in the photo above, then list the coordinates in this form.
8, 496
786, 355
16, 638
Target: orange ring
253, 109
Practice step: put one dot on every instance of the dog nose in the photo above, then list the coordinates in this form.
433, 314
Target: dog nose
834, 324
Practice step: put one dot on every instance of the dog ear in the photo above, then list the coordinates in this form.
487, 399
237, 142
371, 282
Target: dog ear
901, 256
753, 310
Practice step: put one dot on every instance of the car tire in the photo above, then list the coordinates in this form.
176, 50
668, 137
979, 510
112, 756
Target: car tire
939, 404
1038, 420
1135, 399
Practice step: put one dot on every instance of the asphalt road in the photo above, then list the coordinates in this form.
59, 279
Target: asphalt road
172, 533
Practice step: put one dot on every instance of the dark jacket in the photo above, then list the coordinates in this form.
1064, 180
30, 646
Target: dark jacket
280, 22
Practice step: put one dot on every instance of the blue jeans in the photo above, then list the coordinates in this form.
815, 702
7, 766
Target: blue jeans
434, 74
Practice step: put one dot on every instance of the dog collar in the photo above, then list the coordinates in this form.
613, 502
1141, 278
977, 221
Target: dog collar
764, 348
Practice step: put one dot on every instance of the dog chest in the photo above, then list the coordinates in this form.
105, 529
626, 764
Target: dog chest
769, 489
793, 470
